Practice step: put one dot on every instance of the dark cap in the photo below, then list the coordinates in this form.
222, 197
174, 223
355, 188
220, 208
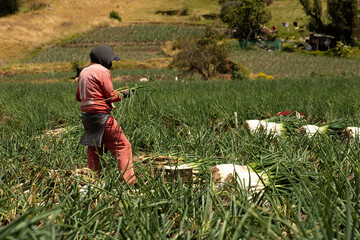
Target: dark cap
103, 55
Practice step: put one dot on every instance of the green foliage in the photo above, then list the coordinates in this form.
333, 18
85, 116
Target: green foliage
340, 50
343, 18
313, 8
76, 67
240, 75
288, 48
42, 197
8, 7
247, 17
151, 36
205, 56
115, 15
299, 64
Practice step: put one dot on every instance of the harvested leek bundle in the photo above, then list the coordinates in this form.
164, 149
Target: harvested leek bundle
254, 126
309, 130
335, 127
290, 123
352, 133
131, 90
137, 88
184, 171
245, 176
272, 128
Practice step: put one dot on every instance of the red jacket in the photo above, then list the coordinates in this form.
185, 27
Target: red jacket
94, 86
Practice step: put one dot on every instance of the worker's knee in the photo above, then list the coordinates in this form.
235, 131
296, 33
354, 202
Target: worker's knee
124, 144
127, 145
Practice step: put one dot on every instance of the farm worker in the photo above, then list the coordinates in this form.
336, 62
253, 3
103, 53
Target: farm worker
95, 92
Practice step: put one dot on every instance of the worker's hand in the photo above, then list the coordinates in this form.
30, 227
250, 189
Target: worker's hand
127, 93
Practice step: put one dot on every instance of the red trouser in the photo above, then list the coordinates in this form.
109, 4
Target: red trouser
114, 140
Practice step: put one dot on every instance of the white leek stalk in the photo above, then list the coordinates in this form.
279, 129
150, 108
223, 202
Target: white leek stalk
309, 130
353, 132
254, 126
245, 176
272, 128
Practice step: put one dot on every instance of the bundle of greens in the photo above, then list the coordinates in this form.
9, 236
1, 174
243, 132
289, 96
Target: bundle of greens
270, 128
335, 127
290, 123
352, 132
130, 91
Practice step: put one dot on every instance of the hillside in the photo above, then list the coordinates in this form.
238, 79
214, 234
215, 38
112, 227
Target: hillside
24, 32
59, 20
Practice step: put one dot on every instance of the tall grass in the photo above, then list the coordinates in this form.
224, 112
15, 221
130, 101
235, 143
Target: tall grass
283, 64
313, 191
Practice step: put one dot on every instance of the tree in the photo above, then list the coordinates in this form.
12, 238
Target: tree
206, 56
246, 17
313, 8
342, 18
8, 7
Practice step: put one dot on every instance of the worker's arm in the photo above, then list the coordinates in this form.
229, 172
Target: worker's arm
109, 89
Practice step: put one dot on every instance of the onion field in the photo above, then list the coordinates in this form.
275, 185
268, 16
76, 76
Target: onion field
138, 42
284, 64
312, 190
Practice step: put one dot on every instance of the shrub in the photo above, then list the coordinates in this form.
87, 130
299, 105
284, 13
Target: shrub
288, 47
343, 16
206, 56
241, 74
75, 66
8, 7
115, 15
245, 17
340, 50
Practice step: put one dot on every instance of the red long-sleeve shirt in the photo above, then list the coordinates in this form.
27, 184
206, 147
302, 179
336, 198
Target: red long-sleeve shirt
94, 86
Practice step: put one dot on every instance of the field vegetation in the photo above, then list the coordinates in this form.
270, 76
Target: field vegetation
312, 192
147, 46
133, 42
46, 192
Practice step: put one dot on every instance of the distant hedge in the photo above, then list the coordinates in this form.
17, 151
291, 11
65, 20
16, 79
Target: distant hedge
8, 7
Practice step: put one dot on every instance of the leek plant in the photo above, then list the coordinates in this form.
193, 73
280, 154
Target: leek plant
310, 191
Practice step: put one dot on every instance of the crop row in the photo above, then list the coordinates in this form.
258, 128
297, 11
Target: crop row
313, 191
136, 42
139, 34
283, 64
64, 54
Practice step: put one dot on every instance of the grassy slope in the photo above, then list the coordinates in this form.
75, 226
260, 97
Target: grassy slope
286, 11
24, 32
